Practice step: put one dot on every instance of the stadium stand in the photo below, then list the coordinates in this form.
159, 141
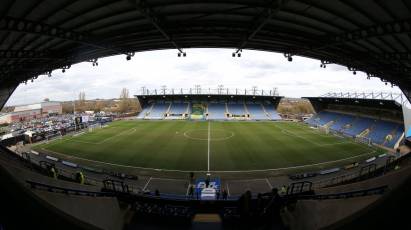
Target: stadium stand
359, 125
380, 130
143, 113
177, 110
379, 121
216, 104
395, 134
216, 111
158, 111
342, 121
236, 109
271, 111
325, 117
257, 112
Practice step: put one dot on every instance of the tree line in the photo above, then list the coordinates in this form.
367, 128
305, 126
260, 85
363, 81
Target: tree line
124, 104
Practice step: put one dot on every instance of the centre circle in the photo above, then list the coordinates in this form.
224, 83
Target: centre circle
202, 134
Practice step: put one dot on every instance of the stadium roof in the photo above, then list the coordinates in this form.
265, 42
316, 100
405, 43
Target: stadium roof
397, 97
38, 36
378, 101
209, 91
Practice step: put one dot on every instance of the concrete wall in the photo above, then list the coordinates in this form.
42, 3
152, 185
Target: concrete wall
5, 118
51, 107
406, 109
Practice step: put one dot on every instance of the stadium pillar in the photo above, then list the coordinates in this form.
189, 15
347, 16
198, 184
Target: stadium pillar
407, 93
6, 90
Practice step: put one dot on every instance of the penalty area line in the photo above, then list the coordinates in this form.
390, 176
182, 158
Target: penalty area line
208, 148
202, 171
148, 182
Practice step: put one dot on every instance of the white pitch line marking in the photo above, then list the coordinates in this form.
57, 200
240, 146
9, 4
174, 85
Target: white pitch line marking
208, 148
201, 171
188, 188
145, 186
268, 182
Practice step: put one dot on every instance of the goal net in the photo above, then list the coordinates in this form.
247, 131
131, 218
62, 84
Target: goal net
363, 140
324, 129
91, 128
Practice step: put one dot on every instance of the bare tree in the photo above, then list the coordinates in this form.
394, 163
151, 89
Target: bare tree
124, 105
124, 94
80, 104
82, 97
98, 106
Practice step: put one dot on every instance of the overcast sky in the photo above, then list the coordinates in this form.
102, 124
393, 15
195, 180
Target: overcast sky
206, 67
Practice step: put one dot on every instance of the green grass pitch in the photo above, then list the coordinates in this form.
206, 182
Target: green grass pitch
213, 146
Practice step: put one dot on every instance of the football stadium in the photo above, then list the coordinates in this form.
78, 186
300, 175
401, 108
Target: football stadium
205, 158
228, 134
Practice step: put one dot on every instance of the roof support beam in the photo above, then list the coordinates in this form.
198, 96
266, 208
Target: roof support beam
395, 27
407, 93
262, 19
6, 91
32, 27
148, 13
394, 56
31, 54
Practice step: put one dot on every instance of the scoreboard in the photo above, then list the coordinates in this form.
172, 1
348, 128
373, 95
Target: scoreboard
210, 192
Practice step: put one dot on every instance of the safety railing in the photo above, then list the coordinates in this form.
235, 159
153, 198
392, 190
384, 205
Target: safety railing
69, 191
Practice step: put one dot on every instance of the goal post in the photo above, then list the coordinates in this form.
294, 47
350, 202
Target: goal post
363, 140
324, 129
91, 128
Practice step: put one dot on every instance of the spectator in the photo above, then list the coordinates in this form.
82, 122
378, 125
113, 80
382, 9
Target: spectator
191, 191
80, 177
157, 192
207, 181
225, 194
191, 177
283, 190
53, 172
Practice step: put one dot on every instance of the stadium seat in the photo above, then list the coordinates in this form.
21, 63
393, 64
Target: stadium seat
359, 125
158, 111
236, 109
323, 118
143, 113
396, 134
216, 111
257, 112
177, 109
272, 112
342, 120
378, 129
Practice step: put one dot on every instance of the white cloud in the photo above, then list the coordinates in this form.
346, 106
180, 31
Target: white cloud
206, 67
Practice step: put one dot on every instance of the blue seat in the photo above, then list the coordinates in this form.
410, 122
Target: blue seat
158, 111
256, 112
216, 111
